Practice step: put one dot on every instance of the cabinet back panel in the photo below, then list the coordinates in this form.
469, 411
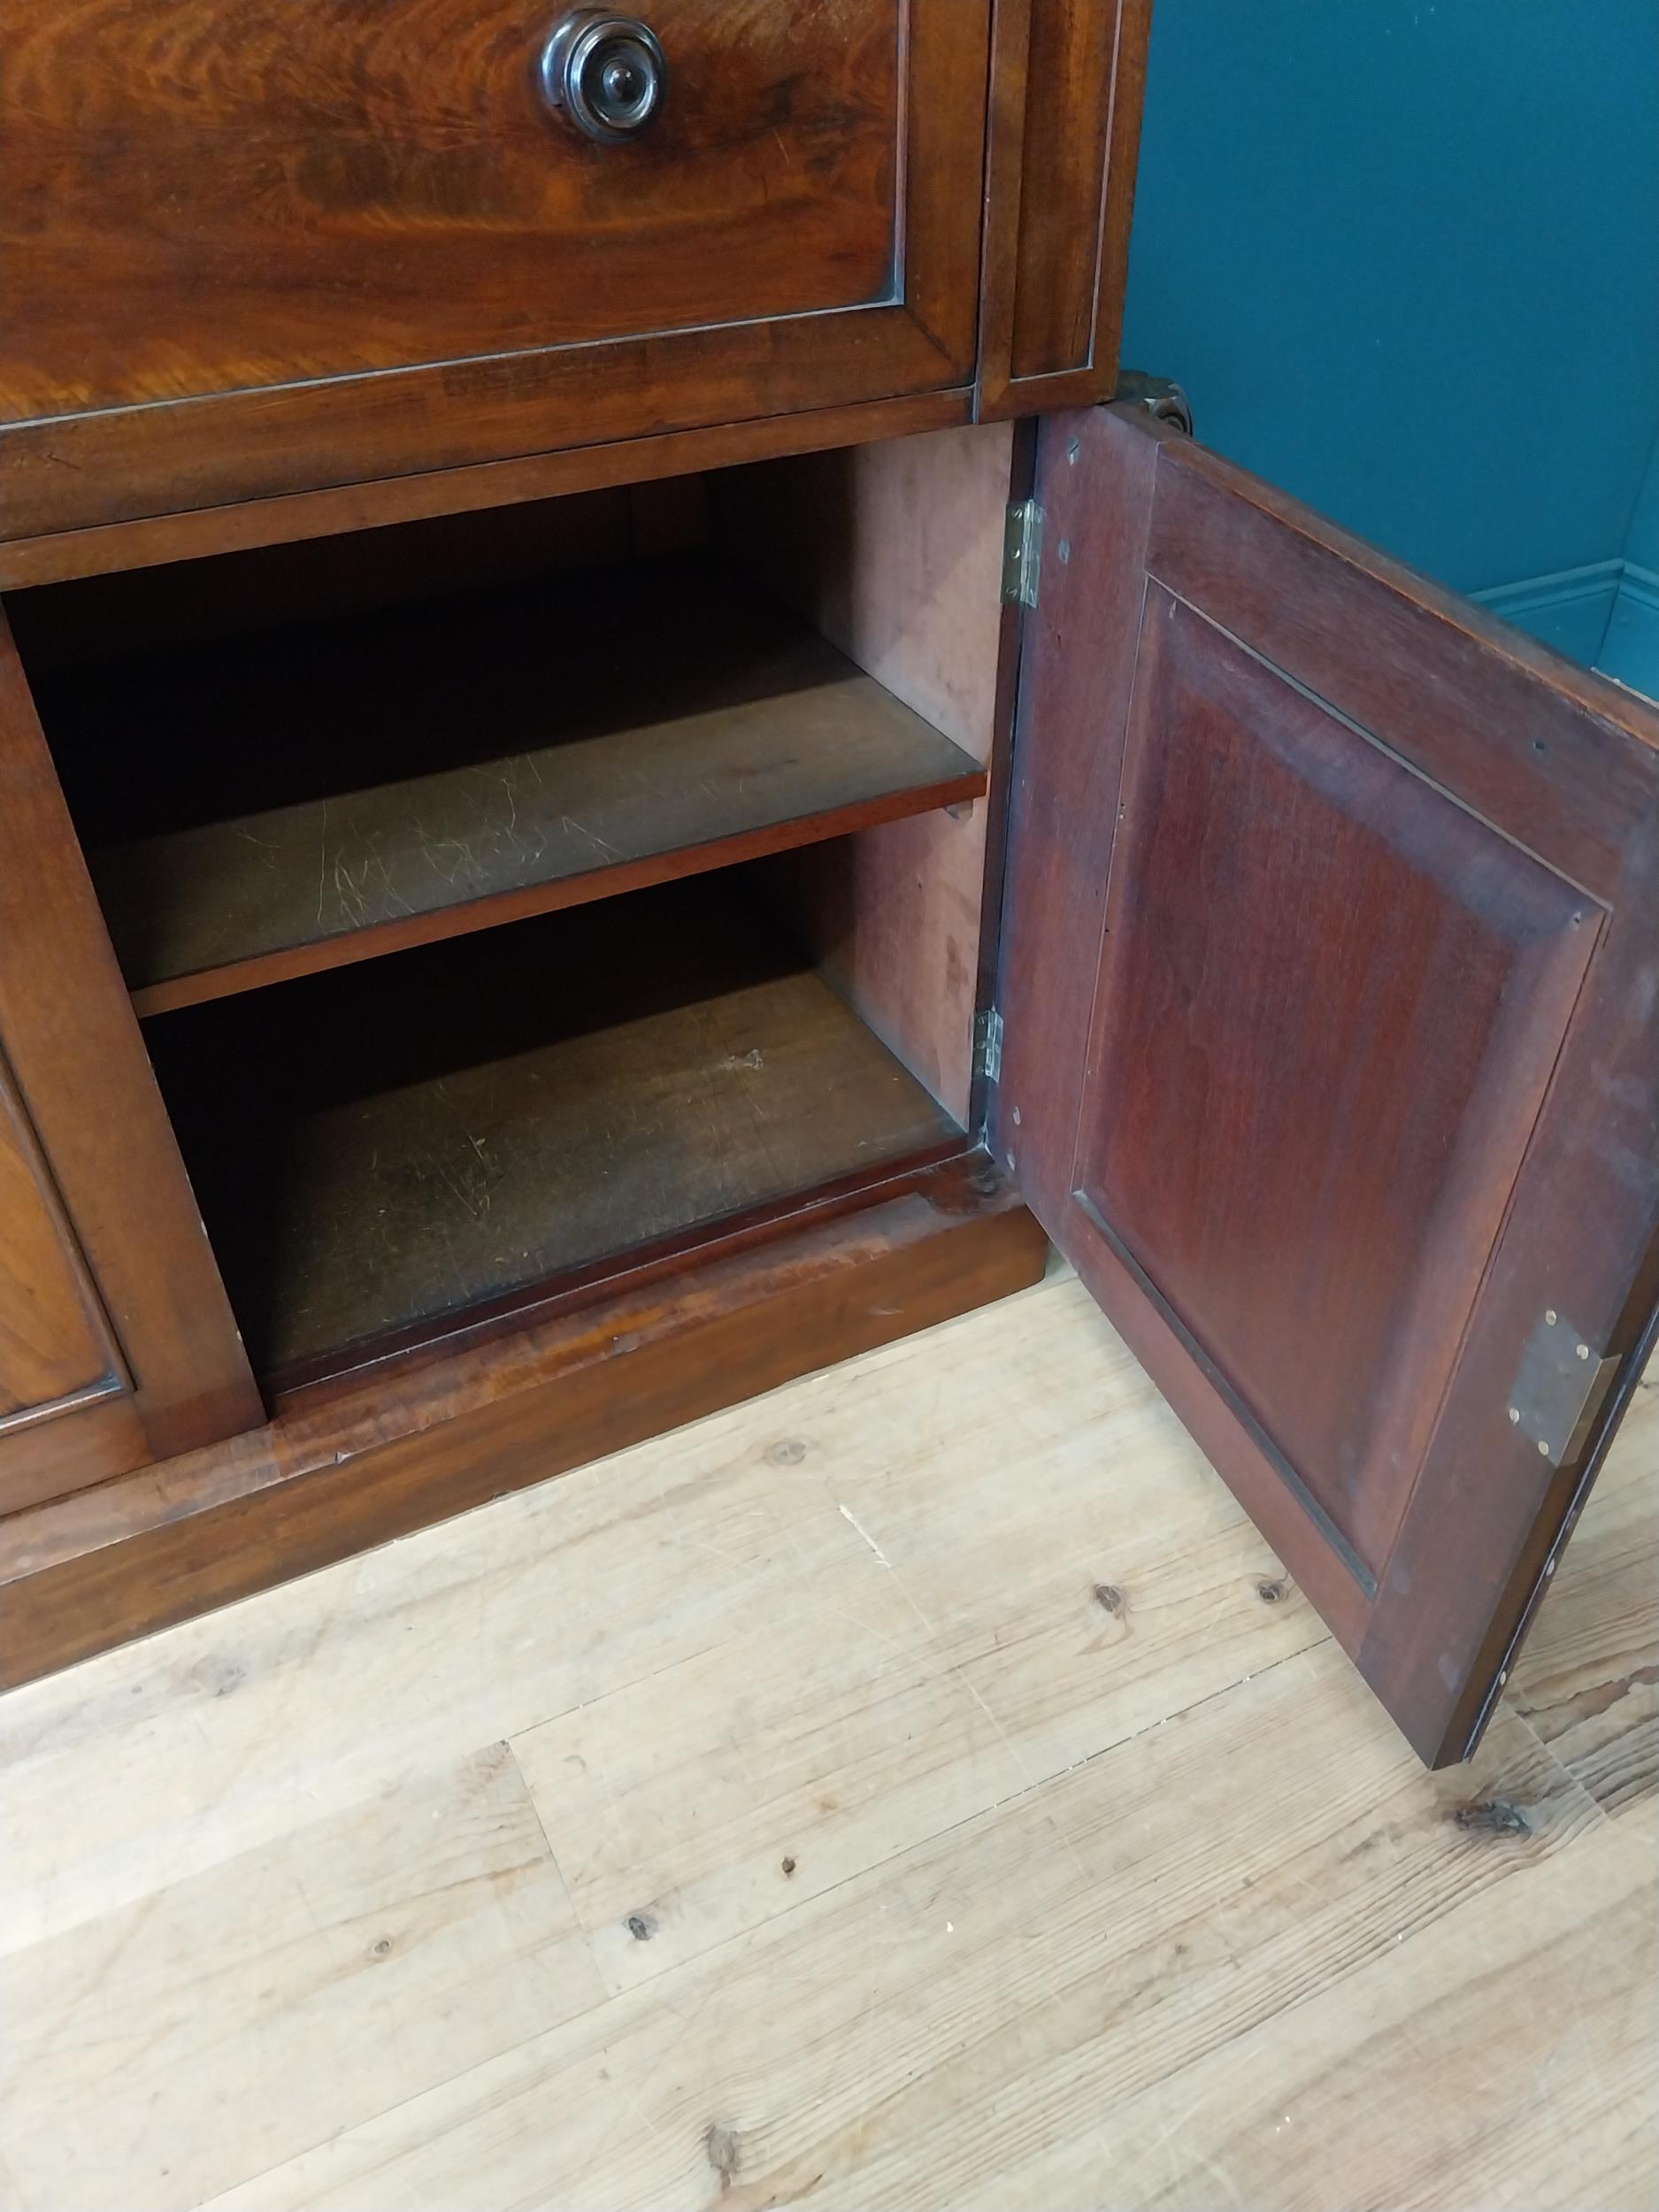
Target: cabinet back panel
265, 586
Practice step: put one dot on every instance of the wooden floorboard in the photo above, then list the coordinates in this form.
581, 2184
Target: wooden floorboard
1588, 1680
918, 1786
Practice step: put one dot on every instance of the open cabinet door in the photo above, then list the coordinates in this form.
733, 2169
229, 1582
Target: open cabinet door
1330, 985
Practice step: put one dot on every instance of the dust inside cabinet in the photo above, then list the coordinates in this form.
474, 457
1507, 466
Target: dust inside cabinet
510, 900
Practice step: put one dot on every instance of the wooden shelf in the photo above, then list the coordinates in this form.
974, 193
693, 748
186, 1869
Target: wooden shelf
375, 1151
271, 806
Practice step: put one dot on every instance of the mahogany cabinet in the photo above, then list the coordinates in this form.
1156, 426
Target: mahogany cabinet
617, 784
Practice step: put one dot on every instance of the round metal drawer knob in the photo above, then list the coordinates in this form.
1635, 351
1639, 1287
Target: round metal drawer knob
606, 72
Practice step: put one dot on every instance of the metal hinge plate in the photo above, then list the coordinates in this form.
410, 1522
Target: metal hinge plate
1022, 554
988, 1045
1559, 1389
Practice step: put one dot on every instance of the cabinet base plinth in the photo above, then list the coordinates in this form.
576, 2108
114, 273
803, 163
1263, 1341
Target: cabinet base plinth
394, 1449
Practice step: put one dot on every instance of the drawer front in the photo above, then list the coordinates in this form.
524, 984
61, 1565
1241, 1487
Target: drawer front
250, 246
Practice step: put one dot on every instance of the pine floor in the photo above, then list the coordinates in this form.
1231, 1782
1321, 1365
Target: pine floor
918, 1787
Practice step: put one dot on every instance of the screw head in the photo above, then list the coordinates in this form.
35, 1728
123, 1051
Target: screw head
1550, 1316
1584, 1351
1515, 1415
1543, 1448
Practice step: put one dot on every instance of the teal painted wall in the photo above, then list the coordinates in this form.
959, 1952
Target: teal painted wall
1405, 255
1642, 543
1630, 646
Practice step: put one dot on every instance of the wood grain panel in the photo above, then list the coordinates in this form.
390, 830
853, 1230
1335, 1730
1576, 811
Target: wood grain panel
1064, 139
56, 1351
344, 247
1317, 1112
109, 549
1527, 739
1074, 48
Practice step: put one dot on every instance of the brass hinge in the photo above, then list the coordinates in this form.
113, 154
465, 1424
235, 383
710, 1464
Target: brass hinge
1559, 1389
988, 1045
1022, 554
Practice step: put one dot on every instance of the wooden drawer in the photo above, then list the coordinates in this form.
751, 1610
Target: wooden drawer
256, 248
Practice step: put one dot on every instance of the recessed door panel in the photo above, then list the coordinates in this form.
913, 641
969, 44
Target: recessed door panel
1331, 999
56, 1349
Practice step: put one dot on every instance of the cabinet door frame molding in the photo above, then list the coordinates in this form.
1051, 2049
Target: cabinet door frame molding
1340, 1269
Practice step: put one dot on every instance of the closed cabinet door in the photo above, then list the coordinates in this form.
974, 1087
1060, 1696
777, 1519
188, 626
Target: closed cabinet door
57, 1353
117, 1344
251, 247
1330, 986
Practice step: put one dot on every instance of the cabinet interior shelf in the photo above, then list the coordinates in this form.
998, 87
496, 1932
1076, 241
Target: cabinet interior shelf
382, 1148
269, 806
